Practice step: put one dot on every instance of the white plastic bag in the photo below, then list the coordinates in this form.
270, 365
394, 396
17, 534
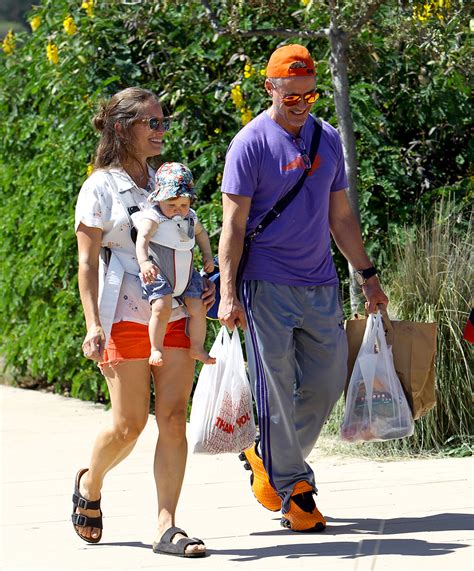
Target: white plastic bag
376, 406
221, 415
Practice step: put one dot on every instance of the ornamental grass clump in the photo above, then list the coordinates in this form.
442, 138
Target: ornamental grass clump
430, 280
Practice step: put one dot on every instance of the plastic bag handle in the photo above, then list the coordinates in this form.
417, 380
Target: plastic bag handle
221, 342
386, 321
235, 350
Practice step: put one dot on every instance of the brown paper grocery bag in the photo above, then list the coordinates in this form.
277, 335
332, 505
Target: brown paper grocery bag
414, 351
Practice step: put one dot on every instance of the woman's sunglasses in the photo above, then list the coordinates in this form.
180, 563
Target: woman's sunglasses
291, 100
156, 124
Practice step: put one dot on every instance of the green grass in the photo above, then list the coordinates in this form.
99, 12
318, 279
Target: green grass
429, 279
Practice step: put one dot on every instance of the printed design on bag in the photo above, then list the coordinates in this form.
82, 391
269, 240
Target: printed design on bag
232, 427
382, 402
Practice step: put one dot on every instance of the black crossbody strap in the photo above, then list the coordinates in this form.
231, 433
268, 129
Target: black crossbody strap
280, 206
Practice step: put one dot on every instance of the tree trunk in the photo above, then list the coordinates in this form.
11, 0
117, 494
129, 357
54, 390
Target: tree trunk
338, 67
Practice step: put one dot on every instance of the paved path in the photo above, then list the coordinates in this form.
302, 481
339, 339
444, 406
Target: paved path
410, 515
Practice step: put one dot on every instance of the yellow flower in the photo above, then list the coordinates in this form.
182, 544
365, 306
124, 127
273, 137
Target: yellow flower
305, 2
217, 130
219, 178
8, 44
69, 25
52, 53
35, 23
422, 13
236, 95
248, 70
90, 169
246, 115
263, 72
88, 6
432, 8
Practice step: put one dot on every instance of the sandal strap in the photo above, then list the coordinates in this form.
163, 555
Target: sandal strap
170, 533
80, 501
86, 521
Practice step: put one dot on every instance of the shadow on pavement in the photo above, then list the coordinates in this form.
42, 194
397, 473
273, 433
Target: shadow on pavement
343, 549
122, 544
360, 547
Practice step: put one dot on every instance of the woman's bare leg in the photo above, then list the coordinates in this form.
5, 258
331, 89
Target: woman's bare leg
160, 315
173, 384
129, 389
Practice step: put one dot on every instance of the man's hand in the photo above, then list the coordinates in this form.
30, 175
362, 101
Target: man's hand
231, 313
149, 271
374, 295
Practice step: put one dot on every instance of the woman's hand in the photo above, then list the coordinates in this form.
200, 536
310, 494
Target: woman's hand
94, 344
208, 265
209, 293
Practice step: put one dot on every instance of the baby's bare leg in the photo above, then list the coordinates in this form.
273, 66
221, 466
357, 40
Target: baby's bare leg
160, 315
197, 330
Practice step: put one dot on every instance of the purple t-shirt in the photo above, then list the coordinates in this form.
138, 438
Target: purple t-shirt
264, 162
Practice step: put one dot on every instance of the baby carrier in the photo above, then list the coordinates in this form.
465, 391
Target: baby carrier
171, 248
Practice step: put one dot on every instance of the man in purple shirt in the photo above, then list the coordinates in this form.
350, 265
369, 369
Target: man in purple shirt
289, 302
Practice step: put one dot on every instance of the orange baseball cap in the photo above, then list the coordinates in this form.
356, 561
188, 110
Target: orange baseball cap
292, 60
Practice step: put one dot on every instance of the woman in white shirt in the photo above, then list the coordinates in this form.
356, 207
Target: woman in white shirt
132, 126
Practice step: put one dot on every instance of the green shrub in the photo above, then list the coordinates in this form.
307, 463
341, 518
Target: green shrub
47, 98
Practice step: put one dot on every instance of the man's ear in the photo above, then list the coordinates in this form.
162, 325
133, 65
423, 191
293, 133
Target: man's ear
118, 128
268, 87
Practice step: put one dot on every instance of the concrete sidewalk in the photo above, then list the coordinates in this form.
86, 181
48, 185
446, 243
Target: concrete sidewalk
411, 514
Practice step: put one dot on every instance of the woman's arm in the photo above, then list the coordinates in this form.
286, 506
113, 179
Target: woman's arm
89, 241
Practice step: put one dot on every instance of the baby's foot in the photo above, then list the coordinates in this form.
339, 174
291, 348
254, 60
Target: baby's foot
156, 358
201, 355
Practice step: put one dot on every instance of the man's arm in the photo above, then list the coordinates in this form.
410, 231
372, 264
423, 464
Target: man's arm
346, 233
234, 221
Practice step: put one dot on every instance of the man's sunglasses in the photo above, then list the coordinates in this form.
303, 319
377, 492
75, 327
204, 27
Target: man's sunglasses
156, 124
291, 100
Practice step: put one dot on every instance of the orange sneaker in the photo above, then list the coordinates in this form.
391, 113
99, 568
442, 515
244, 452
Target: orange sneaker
303, 514
261, 487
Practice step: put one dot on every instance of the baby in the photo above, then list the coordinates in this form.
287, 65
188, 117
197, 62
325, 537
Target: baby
169, 228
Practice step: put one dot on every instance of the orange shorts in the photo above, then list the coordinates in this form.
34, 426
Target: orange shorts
129, 340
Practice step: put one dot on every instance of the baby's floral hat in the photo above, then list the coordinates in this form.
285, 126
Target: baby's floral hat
172, 180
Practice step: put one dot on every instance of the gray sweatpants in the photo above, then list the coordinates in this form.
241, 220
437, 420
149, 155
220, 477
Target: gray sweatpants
297, 356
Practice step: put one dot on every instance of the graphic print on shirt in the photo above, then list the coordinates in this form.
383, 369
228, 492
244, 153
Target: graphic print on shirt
298, 163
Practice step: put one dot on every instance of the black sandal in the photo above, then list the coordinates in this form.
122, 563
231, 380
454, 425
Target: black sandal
80, 520
166, 545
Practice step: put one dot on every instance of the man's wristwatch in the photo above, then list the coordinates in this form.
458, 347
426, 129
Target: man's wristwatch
361, 276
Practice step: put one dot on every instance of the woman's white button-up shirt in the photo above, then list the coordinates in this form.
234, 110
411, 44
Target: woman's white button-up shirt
98, 206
